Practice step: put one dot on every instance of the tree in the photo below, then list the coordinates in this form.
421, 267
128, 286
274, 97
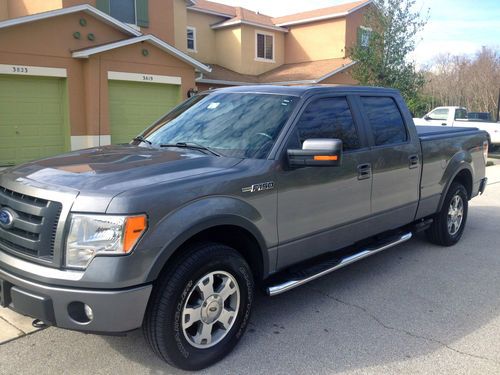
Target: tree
469, 81
385, 59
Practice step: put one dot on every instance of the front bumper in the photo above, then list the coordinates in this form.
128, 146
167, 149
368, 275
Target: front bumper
114, 311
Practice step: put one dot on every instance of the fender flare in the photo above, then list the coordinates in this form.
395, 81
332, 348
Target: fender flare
460, 162
209, 212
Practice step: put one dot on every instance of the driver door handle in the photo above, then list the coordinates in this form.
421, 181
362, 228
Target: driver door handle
364, 171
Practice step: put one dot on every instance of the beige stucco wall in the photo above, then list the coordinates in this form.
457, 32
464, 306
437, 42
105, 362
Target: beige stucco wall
180, 22
49, 43
19, 8
249, 42
205, 36
342, 78
228, 48
353, 21
4, 10
316, 41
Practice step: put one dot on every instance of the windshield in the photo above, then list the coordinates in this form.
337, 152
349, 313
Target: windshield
232, 124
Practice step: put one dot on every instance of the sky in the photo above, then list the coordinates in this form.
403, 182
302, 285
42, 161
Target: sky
455, 26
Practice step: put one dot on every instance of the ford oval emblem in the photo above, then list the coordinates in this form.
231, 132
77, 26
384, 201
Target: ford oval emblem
6, 218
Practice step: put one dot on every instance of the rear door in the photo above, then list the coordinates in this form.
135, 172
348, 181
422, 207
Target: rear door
396, 161
318, 206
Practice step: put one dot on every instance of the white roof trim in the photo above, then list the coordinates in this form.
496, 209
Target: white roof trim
78, 8
243, 22
222, 82
213, 13
84, 54
302, 82
325, 17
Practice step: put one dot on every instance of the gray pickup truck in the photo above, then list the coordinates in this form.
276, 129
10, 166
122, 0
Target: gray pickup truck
235, 188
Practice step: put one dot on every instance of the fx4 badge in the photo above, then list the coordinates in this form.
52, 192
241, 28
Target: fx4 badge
258, 187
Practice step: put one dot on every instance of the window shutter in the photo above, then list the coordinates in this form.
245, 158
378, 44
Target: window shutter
360, 36
103, 5
142, 10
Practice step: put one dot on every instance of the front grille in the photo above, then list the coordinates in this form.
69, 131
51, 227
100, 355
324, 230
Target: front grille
34, 227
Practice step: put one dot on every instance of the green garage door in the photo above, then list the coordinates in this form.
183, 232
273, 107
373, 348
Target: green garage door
32, 118
133, 106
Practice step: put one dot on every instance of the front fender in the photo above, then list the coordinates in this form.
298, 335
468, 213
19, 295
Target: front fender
187, 221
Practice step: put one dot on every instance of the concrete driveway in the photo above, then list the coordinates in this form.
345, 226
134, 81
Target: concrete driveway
414, 309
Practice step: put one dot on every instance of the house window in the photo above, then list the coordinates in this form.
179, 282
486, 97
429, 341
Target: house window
365, 34
123, 10
191, 38
265, 46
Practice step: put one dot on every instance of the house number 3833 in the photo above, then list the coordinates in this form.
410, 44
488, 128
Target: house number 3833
19, 69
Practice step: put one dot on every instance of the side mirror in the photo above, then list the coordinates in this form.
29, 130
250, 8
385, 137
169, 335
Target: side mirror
427, 118
317, 153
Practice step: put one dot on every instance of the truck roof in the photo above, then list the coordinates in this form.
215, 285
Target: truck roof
308, 90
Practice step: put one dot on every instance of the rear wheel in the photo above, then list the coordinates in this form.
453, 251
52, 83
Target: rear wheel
449, 223
200, 308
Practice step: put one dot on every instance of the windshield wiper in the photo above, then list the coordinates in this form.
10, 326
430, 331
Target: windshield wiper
141, 139
193, 146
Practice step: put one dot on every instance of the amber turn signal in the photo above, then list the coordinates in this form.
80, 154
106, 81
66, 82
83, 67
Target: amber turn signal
134, 228
326, 157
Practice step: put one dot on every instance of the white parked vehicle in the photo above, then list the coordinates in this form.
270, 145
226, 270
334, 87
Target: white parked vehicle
457, 116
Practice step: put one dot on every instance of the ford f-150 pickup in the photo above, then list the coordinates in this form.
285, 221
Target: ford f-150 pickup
235, 188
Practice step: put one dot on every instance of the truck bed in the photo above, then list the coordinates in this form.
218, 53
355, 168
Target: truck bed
426, 132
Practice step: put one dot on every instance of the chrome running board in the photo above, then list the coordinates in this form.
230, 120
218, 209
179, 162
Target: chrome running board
295, 282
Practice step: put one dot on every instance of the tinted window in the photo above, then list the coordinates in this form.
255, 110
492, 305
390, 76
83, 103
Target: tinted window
461, 114
385, 120
439, 114
329, 118
234, 124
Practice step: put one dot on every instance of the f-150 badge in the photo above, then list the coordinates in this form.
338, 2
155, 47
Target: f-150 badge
258, 187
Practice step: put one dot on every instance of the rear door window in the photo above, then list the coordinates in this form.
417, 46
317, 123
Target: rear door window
385, 120
329, 118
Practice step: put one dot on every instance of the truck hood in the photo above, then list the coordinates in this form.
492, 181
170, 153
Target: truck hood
111, 170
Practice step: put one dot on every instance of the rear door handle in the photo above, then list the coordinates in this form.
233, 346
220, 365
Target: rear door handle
364, 171
413, 161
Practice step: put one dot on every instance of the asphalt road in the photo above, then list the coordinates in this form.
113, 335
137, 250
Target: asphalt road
414, 309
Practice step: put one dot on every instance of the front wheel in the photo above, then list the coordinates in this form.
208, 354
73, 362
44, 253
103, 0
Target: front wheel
449, 223
201, 307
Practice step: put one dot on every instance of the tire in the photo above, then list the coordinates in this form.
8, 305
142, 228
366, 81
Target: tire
183, 307
441, 231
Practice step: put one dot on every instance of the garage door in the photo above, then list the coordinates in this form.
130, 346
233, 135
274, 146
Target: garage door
133, 106
32, 118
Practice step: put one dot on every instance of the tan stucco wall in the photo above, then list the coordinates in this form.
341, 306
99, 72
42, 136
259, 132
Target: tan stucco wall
235, 50
249, 40
354, 20
180, 22
4, 10
205, 36
228, 48
316, 41
49, 43
19, 8
342, 78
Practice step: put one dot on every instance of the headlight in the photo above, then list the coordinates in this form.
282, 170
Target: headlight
90, 235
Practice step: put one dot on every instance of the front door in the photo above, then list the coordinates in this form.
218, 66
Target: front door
316, 205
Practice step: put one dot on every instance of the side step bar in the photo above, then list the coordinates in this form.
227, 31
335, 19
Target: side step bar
295, 282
